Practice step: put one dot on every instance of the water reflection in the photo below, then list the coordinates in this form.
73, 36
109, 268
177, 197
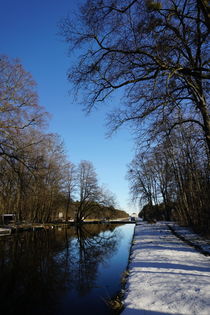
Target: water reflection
56, 271
94, 247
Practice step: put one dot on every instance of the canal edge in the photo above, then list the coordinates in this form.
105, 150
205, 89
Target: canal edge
117, 303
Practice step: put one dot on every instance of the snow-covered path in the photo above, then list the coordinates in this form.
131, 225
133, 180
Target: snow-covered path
166, 276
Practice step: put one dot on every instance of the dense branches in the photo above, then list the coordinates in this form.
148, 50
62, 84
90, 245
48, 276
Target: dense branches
175, 175
36, 179
91, 196
156, 52
19, 108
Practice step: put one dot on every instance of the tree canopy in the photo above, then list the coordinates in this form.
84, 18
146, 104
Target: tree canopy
36, 179
155, 51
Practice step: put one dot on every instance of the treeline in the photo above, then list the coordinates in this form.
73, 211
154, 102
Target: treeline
37, 182
173, 179
96, 211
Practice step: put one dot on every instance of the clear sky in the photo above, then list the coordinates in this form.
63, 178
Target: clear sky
28, 31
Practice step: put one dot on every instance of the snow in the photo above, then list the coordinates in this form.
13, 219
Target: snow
191, 237
166, 275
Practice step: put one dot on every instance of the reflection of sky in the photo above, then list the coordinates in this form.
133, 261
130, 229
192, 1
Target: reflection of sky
109, 270
109, 273
28, 31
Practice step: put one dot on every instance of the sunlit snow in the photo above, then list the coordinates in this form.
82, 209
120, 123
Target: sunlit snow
166, 276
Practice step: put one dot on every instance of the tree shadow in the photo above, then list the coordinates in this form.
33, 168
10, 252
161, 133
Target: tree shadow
132, 311
169, 266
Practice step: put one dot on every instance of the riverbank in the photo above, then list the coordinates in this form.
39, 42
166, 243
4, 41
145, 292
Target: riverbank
167, 275
22, 227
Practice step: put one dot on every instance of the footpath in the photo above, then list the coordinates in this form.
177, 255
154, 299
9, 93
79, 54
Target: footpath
166, 274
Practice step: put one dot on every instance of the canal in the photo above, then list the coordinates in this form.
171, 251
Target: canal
64, 270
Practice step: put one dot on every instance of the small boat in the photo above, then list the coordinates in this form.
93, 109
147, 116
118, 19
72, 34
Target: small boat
5, 231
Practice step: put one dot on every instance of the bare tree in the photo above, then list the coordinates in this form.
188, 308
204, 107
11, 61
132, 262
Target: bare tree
205, 7
70, 181
19, 109
172, 178
107, 198
142, 178
88, 190
155, 52
37, 181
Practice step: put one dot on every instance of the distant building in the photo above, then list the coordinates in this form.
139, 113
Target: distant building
60, 215
133, 217
8, 218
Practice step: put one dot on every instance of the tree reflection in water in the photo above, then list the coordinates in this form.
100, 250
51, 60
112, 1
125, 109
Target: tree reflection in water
48, 272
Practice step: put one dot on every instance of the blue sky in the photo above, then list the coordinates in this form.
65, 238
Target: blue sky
28, 31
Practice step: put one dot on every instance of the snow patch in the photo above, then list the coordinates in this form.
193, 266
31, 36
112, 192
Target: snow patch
166, 276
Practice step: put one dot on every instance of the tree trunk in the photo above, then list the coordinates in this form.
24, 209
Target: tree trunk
206, 122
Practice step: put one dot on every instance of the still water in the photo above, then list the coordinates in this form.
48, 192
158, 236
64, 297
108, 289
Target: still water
63, 271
